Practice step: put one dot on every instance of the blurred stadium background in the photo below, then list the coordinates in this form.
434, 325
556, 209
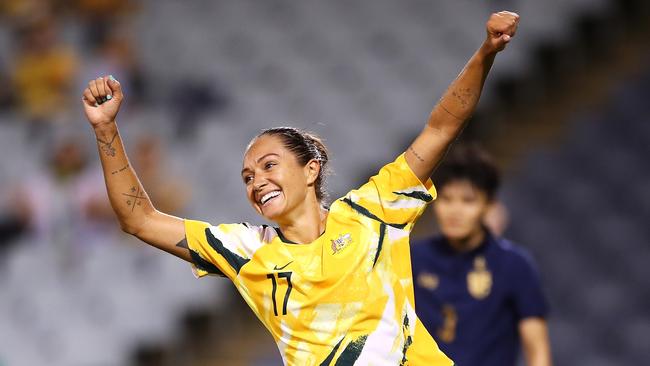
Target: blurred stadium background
565, 112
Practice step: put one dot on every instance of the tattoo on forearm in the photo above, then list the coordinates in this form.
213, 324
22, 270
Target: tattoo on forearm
463, 96
465, 99
183, 244
135, 197
120, 170
107, 147
416, 154
449, 112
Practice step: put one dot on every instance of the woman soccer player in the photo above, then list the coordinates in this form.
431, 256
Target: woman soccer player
333, 286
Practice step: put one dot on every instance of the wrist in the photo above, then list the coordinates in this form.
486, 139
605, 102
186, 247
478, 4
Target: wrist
486, 51
104, 129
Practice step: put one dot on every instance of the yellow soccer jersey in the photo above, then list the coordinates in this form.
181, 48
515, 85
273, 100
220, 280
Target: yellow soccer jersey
345, 298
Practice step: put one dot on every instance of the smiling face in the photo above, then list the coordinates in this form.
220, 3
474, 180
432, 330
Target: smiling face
460, 209
277, 186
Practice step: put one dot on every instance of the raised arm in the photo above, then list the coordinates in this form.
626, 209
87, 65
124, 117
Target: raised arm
134, 210
448, 117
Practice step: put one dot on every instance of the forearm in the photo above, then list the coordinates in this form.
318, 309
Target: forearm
449, 115
538, 357
535, 342
125, 192
459, 101
101, 100
538, 353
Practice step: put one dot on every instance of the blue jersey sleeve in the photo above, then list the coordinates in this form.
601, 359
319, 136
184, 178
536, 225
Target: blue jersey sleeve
528, 296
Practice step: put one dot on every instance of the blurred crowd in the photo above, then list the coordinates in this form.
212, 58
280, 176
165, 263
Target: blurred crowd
53, 48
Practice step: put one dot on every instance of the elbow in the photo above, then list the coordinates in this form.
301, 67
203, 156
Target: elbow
442, 133
129, 228
133, 226
137, 225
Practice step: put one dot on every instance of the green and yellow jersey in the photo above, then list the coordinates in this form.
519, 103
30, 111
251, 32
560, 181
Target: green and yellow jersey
345, 298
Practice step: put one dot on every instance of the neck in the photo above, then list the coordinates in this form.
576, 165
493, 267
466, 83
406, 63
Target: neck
468, 243
306, 225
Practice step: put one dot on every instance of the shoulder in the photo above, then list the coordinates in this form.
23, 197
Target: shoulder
422, 245
423, 249
517, 257
240, 237
245, 232
396, 182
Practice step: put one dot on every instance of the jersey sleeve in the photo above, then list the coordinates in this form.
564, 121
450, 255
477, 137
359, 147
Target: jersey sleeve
220, 250
394, 196
528, 296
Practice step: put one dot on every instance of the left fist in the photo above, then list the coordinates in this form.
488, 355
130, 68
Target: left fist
501, 27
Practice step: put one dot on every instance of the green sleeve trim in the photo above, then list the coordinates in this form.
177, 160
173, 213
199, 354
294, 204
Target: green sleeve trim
204, 265
234, 260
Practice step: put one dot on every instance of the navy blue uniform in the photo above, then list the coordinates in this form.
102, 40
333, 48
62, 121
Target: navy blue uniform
472, 302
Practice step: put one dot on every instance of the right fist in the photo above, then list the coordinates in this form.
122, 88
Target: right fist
102, 99
501, 27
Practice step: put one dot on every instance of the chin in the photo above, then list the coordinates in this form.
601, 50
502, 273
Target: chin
270, 217
272, 214
456, 235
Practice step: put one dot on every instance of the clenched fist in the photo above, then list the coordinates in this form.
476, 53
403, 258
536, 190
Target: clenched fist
501, 27
102, 99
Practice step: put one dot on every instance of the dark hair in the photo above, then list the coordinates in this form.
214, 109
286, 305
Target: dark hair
305, 146
469, 162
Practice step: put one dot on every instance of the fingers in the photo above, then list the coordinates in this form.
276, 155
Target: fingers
89, 98
92, 86
100, 90
501, 27
101, 86
513, 22
115, 87
504, 22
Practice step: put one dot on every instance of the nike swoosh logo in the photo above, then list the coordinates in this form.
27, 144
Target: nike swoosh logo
275, 268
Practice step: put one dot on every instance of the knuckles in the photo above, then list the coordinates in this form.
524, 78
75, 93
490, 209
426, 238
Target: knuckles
504, 17
502, 25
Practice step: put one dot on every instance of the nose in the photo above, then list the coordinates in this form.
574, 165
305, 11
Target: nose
259, 184
455, 208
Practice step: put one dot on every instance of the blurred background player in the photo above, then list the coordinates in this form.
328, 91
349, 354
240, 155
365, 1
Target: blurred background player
478, 294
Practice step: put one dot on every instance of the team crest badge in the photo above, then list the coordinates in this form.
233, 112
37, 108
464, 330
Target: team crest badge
479, 280
428, 281
341, 242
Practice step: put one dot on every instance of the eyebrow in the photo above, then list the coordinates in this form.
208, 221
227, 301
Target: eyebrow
260, 159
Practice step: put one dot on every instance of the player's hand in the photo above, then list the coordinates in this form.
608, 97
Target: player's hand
102, 99
501, 27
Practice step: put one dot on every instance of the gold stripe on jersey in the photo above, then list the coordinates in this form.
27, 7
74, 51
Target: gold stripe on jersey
345, 298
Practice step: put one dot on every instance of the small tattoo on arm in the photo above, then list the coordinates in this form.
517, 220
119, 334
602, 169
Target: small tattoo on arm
183, 244
416, 154
463, 96
120, 170
135, 197
107, 147
447, 110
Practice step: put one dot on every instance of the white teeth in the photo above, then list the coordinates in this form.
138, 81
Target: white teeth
268, 196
